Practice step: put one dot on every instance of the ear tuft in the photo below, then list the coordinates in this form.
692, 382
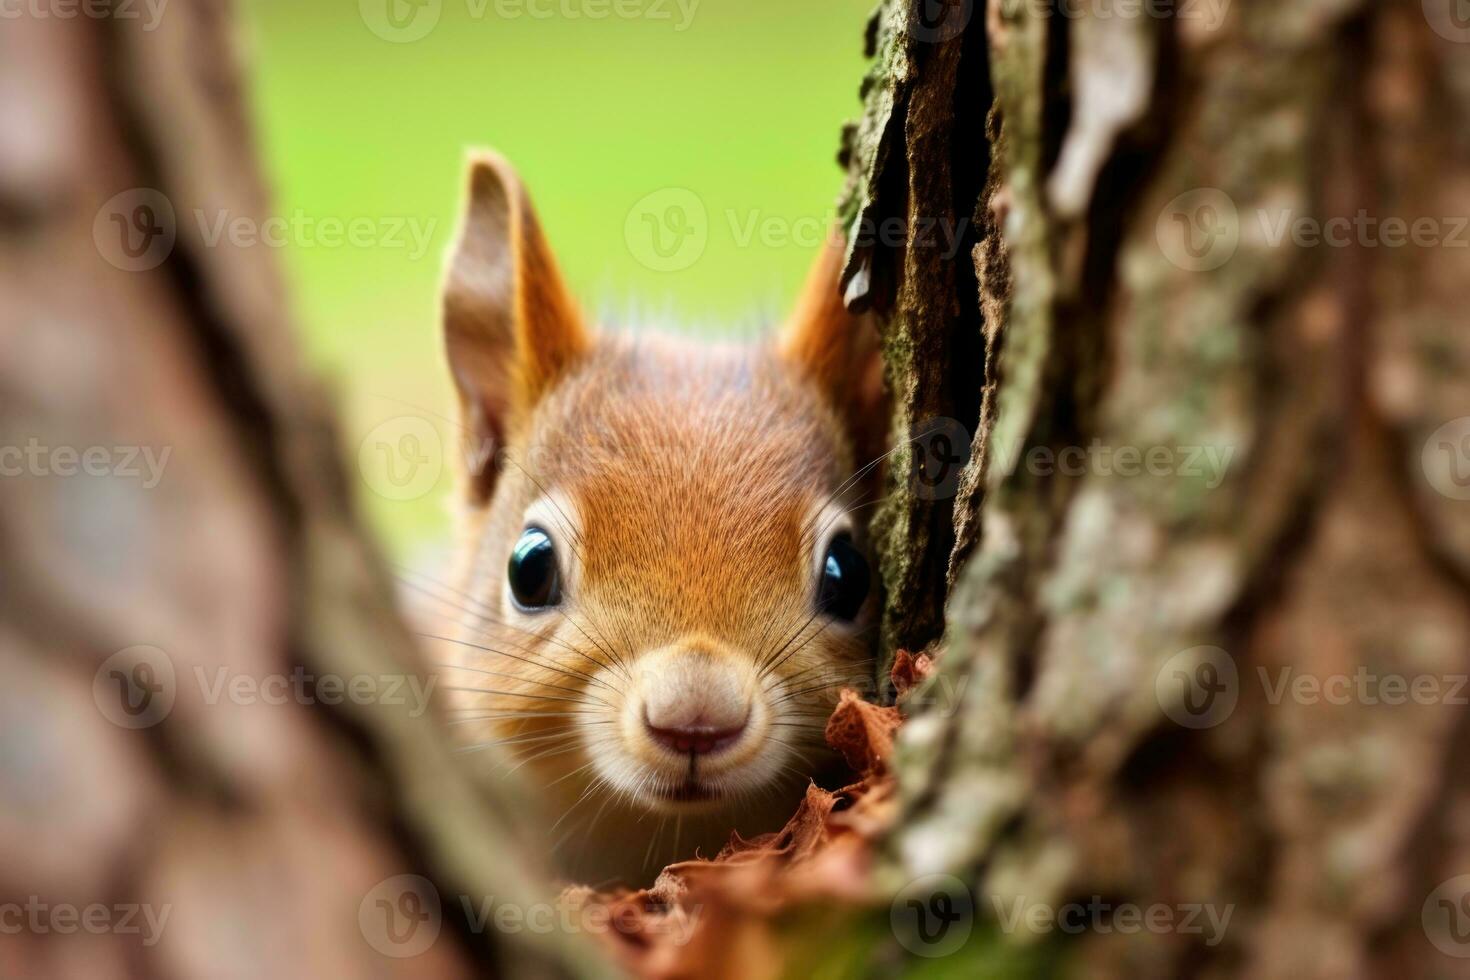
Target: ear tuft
838, 350
511, 328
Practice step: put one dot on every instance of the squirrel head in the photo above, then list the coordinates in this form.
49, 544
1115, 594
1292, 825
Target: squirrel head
662, 546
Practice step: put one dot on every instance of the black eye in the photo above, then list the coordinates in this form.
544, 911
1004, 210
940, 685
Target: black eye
845, 580
534, 581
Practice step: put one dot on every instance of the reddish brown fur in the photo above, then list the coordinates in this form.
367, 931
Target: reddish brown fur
685, 486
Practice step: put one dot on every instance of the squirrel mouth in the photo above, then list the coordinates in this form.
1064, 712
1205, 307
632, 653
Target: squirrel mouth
688, 791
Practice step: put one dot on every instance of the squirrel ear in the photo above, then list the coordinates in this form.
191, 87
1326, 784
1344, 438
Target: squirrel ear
838, 350
510, 326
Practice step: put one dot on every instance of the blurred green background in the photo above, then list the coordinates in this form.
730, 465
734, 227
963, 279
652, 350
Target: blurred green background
365, 109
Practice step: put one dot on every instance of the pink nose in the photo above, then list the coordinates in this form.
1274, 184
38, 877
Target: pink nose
694, 702
695, 738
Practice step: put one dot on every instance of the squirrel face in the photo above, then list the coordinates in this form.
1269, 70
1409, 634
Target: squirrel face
667, 583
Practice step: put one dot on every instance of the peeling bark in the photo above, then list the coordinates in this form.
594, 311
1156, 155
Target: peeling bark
1318, 544
1038, 298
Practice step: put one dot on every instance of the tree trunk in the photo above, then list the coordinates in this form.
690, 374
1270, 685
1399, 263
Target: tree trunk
1206, 569
1181, 503
175, 522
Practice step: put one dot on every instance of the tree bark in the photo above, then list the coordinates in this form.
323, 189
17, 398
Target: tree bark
218, 835
1069, 220
1109, 717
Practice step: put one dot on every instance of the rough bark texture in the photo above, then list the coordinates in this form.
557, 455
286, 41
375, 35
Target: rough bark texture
1084, 603
1038, 296
270, 835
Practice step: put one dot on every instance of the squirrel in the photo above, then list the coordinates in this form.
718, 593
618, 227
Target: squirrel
665, 585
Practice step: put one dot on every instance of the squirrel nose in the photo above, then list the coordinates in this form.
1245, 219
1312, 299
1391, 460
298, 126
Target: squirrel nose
699, 739
693, 702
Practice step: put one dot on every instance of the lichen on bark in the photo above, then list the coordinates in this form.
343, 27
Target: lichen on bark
1045, 759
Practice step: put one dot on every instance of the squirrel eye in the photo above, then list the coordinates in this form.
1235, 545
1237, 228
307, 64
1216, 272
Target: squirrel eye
534, 582
845, 580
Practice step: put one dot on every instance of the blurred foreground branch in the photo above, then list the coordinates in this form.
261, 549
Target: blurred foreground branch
214, 756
